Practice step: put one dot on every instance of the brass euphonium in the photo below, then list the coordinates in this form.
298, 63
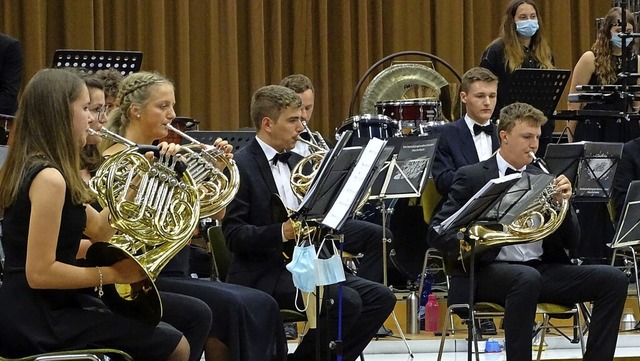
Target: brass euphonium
155, 221
215, 189
540, 219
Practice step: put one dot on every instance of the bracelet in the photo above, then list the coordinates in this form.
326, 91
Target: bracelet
99, 287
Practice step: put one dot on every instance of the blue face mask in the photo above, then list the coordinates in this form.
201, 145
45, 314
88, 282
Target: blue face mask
302, 268
617, 41
527, 27
330, 271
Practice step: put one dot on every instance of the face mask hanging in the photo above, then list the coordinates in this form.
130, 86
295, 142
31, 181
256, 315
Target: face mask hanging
329, 271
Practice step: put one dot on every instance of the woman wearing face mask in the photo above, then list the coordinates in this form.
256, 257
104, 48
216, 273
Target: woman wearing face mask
521, 44
600, 66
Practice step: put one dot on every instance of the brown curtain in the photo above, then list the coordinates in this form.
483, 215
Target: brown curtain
218, 52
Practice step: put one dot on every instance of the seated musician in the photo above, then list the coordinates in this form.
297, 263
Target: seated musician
628, 170
257, 240
520, 276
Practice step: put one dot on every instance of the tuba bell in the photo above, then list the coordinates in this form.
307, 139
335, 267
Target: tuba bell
155, 221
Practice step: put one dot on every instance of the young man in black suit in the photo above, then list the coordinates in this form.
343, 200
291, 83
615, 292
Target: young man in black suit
627, 171
257, 238
520, 276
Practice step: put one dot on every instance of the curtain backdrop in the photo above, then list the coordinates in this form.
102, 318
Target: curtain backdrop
218, 52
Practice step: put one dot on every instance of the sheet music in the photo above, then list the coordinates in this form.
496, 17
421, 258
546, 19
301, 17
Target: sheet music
446, 224
352, 187
628, 228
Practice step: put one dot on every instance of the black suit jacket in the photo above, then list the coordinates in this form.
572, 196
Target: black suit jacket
468, 181
11, 68
628, 170
455, 149
253, 232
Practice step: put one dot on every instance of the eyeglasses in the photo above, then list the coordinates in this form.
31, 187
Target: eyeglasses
99, 112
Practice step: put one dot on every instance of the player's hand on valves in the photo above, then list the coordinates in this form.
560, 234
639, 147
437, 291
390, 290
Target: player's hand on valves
563, 188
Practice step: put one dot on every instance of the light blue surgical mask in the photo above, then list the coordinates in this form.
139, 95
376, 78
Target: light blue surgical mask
617, 40
527, 27
303, 268
330, 271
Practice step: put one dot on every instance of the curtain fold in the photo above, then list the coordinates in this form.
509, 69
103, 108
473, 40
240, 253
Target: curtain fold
218, 52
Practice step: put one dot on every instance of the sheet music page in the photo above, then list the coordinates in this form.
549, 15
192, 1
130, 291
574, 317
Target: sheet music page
491, 184
353, 184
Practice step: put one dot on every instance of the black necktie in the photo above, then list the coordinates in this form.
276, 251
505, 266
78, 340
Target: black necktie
511, 171
282, 157
488, 129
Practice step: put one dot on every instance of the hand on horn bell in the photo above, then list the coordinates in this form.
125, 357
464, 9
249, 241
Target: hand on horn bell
563, 188
127, 271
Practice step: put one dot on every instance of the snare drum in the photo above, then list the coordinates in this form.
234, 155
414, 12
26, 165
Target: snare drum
411, 114
367, 126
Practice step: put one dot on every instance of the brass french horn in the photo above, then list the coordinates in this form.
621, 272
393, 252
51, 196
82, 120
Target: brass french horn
215, 189
155, 221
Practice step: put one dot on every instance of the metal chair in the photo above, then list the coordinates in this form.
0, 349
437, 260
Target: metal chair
101, 354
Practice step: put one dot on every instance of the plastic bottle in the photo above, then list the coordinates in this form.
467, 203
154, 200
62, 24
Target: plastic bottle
413, 327
432, 318
424, 296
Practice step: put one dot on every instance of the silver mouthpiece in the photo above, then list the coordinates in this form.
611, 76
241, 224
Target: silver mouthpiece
539, 162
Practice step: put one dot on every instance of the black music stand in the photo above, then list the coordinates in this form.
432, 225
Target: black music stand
237, 138
341, 182
126, 62
590, 166
541, 88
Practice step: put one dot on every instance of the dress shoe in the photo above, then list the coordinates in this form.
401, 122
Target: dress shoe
291, 331
486, 327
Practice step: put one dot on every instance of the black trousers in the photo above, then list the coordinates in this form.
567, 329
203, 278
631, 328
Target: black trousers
365, 237
365, 307
520, 287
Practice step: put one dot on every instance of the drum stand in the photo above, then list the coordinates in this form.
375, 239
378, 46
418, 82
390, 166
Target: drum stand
385, 240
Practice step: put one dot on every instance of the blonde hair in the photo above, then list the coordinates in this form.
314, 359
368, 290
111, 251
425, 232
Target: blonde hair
135, 89
270, 100
44, 135
518, 113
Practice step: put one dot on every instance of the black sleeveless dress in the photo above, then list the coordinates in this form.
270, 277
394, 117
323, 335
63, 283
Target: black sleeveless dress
36, 321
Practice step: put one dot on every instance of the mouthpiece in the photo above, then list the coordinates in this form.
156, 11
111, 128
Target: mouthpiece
539, 162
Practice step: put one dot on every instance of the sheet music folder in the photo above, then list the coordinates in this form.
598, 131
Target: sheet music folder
342, 181
479, 204
406, 171
628, 229
590, 166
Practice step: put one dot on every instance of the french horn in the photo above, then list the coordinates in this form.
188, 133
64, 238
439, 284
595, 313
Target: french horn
215, 189
155, 208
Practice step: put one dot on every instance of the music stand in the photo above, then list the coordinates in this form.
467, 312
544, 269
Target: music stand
238, 138
541, 88
589, 166
126, 62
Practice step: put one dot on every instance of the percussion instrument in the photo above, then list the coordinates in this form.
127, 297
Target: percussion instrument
367, 126
413, 115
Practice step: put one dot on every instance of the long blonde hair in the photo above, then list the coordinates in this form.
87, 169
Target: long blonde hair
513, 52
44, 134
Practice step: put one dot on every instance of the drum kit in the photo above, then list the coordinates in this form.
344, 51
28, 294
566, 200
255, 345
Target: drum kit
388, 112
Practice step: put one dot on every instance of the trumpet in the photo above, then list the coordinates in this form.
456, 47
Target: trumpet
215, 189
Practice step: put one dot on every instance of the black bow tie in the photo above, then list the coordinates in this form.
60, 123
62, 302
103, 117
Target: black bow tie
511, 171
282, 157
477, 129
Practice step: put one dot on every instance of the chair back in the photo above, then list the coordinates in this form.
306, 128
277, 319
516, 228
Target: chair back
221, 257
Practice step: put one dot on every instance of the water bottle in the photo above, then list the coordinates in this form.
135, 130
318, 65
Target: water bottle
413, 327
426, 290
432, 317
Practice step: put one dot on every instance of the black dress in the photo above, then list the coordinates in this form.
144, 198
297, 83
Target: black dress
36, 320
595, 222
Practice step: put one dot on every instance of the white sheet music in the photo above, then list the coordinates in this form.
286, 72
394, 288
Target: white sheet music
353, 185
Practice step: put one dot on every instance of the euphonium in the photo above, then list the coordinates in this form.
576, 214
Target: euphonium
216, 189
154, 222
540, 219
